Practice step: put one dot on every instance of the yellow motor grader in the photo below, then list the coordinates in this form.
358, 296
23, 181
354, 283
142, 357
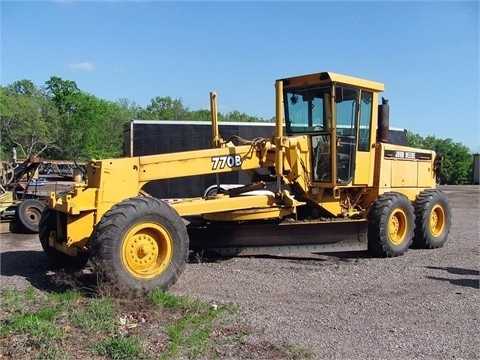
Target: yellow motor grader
327, 180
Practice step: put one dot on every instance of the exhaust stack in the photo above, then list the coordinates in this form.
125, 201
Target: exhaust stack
383, 121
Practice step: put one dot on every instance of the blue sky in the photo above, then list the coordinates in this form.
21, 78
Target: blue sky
426, 53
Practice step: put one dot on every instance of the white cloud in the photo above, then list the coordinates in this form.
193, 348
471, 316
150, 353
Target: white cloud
85, 66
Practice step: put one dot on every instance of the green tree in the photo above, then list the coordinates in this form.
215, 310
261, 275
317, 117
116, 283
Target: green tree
24, 87
457, 159
91, 127
238, 116
165, 108
200, 115
100, 127
64, 94
128, 109
29, 121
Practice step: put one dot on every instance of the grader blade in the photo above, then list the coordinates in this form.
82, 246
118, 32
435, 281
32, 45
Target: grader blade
283, 238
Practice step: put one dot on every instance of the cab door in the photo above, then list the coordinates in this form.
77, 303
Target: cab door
365, 153
346, 134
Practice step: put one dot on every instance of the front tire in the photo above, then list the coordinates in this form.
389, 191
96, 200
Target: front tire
391, 223
433, 218
140, 244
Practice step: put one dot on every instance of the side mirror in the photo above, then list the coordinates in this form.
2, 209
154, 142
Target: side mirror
338, 94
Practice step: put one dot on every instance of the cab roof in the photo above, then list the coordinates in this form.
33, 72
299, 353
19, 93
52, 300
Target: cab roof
330, 77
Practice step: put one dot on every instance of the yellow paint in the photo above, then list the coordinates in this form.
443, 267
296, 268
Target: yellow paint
147, 248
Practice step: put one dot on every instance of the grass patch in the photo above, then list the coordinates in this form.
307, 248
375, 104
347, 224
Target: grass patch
96, 315
190, 335
118, 348
167, 300
15, 300
37, 324
36, 329
73, 325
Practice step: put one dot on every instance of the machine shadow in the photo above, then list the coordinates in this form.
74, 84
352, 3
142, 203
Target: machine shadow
463, 281
455, 270
37, 268
347, 256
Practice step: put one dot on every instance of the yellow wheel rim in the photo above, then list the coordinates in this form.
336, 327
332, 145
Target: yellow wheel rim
397, 226
147, 250
437, 220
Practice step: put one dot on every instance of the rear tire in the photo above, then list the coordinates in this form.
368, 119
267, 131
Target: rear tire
48, 223
433, 218
28, 214
140, 244
391, 223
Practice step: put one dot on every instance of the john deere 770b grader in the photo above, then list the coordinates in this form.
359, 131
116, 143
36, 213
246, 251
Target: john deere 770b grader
336, 182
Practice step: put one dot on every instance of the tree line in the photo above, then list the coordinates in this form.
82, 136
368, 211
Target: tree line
60, 121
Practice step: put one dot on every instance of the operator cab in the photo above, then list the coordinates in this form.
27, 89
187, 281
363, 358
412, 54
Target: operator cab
335, 112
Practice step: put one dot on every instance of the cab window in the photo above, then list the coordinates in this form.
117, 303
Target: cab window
307, 110
365, 121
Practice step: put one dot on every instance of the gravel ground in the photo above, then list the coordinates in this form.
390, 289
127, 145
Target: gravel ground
423, 305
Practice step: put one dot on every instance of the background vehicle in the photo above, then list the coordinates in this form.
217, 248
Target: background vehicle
338, 185
17, 205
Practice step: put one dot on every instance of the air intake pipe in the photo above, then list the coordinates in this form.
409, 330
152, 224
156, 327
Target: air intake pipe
383, 121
